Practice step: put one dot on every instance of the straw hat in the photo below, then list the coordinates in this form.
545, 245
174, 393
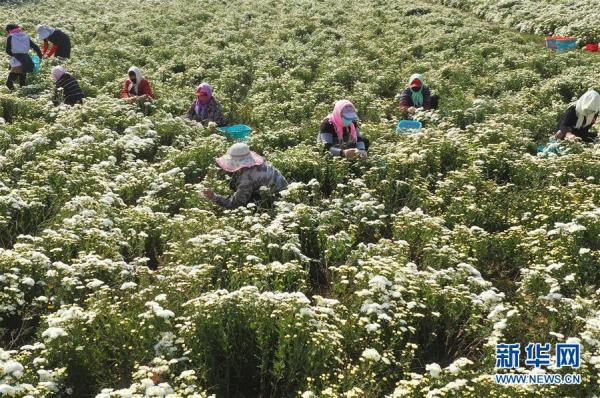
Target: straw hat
239, 156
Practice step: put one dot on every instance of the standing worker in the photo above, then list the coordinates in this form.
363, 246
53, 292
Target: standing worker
18, 44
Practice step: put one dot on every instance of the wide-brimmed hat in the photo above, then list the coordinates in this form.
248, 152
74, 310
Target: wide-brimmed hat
239, 156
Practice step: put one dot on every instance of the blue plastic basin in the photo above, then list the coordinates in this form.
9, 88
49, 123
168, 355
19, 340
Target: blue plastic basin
237, 131
407, 126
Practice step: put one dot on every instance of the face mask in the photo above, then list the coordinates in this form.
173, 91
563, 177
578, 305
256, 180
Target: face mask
346, 122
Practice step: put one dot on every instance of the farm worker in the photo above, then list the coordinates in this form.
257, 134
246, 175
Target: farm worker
18, 44
67, 89
250, 173
136, 85
205, 107
340, 134
579, 118
417, 95
61, 42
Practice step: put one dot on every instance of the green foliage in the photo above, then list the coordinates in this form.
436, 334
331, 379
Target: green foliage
119, 279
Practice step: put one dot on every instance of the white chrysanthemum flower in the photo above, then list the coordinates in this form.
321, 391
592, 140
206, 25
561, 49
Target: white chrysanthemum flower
573, 340
28, 281
371, 354
434, 369
13, 368
94, 283
128, 285
53, 332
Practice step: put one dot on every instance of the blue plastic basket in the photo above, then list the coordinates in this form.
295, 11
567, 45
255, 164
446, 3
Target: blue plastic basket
408, 126
36, 63
566, 44
237, 131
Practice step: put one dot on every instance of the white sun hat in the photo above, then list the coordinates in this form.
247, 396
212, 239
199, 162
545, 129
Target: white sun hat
239, 156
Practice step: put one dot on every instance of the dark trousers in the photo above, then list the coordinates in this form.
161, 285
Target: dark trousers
366, 142
12, 78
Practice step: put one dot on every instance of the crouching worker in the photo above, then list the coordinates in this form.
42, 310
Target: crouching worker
206, 108
18, 44
579, 119
136, 86
250, 173
340, 134
67, 89
417, 95
61, 42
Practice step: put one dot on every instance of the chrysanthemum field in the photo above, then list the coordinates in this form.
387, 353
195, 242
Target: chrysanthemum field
394, 276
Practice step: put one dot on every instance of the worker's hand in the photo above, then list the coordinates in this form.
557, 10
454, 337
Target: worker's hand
362, 154
560, 135
412, 109
209, 193
350, 153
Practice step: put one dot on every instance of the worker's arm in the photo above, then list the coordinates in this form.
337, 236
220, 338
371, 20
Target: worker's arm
405, 99
125, 90
9, 45
53, 50
35, 48
241, 197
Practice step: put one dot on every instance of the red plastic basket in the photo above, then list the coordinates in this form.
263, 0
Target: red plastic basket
592, 47
551, 42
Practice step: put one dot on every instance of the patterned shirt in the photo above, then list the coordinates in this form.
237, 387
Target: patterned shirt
247, 183
71, 92
212, 112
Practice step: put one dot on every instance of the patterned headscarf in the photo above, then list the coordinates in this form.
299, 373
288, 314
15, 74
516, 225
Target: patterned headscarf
206, 89
417, 96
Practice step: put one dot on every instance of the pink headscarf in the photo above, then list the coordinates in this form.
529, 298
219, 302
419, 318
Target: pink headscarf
335, 118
